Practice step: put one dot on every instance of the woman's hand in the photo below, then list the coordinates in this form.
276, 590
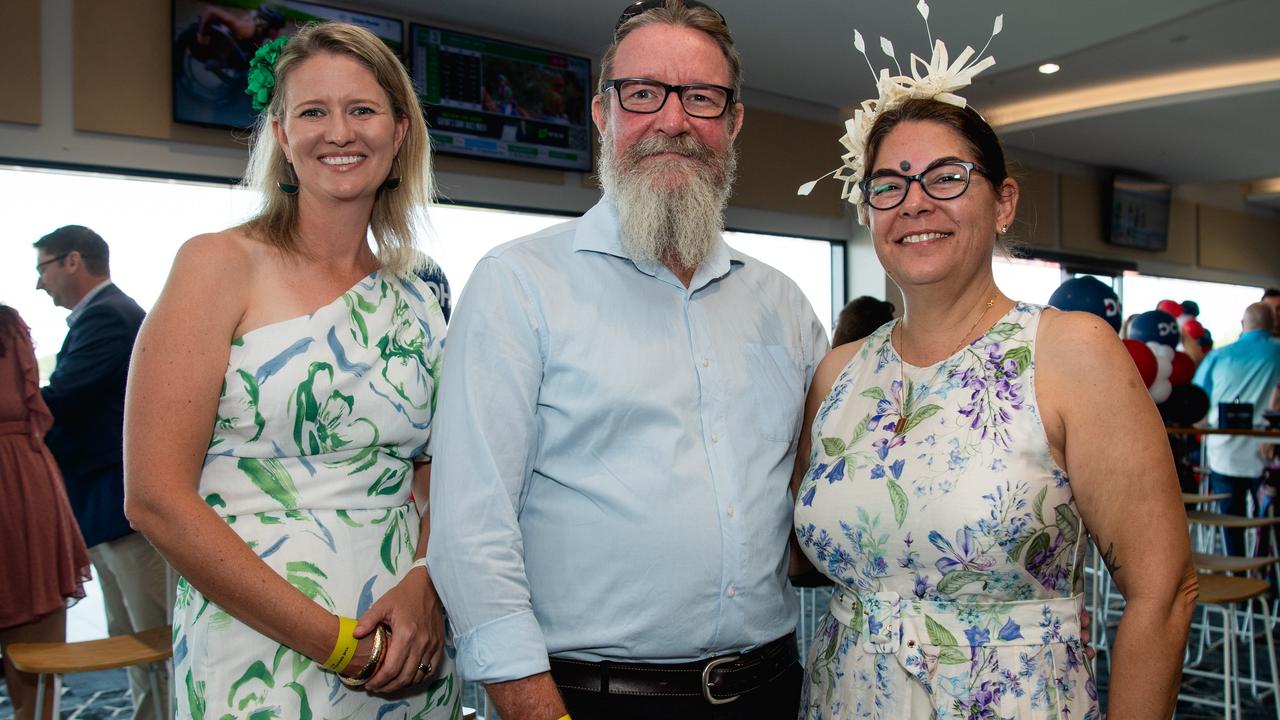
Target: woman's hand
360, 658
412, 612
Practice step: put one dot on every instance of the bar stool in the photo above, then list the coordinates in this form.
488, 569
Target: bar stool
57, 659
1222, 522
1223, 593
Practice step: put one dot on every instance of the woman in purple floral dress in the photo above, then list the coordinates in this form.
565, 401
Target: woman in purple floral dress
960, 458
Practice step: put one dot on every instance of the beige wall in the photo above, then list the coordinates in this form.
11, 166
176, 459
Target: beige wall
1065, 212
20, 58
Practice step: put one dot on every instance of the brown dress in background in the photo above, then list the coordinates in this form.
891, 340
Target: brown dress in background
43, 561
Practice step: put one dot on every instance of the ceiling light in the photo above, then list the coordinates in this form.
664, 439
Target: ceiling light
1172, 88
1049, 68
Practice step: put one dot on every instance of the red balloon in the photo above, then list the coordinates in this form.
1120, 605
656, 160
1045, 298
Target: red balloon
1171, 307
1194, 329
1174, 309
1183, 369
1144, 359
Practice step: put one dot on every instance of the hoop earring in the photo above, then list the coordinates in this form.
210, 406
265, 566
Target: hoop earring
393, 180
289, 188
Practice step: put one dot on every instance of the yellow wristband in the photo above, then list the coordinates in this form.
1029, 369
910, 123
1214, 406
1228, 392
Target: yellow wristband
563, 717
344, 648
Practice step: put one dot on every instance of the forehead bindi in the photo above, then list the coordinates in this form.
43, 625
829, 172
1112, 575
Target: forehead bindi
919, 144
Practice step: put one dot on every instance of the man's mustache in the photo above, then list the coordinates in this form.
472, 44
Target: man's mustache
682, 145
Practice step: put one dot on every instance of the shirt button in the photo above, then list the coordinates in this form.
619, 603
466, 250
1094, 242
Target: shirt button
729, 511
705, 362
715, 438
732, 591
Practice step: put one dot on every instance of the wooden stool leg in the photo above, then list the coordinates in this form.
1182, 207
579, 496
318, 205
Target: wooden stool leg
42, 686
156, 700
1228, 664
1267, 629
40, 697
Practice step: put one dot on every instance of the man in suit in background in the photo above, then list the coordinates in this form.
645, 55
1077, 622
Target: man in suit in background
86, 395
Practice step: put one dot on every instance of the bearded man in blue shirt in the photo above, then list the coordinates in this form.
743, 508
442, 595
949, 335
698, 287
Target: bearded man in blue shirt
618, 417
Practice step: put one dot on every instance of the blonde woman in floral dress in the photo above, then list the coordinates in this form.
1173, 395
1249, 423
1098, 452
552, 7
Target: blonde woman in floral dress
961, 457
280, 402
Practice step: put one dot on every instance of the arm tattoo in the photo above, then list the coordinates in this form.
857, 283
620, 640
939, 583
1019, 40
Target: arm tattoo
1109, 559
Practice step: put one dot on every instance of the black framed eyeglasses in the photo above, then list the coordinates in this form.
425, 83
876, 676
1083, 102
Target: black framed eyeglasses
57, 258
943, 181
644, 6
643, 95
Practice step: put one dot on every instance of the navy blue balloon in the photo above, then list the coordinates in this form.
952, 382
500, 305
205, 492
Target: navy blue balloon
1189, 307
435, 279
1088, 294
1155, 326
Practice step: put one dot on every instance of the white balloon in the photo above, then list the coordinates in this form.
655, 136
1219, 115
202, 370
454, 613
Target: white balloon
1164, 368
1161, 351
1161, 390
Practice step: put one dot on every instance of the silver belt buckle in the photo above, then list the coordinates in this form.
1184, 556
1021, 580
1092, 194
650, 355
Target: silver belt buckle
706, 679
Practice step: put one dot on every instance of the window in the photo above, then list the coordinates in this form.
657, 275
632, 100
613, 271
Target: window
1221, 304
1030, 281
145, 221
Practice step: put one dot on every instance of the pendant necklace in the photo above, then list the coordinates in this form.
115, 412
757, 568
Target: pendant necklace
900, 427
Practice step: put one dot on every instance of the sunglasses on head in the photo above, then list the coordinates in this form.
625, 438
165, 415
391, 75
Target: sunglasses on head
643, 6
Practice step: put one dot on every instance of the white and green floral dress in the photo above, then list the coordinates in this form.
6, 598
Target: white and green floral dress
953, 541
320, 421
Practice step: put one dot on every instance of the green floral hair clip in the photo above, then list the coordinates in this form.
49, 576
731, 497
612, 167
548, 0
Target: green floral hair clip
262, 72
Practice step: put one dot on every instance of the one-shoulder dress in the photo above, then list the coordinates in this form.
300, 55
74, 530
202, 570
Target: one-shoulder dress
320, 420
952, 538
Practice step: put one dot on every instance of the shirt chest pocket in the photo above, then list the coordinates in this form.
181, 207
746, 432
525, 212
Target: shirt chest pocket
776, 384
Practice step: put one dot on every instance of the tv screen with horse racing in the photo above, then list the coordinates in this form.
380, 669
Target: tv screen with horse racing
499, 100
214, 40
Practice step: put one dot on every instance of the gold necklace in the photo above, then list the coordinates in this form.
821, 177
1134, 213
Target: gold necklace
900, 426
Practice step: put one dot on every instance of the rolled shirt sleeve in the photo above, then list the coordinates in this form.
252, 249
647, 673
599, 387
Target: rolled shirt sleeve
483, 443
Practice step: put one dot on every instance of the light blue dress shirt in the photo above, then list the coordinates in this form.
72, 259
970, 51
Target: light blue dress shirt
1248, 370
613, 453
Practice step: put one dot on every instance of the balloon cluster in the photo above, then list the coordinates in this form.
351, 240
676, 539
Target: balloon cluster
1153, 341
1185, 313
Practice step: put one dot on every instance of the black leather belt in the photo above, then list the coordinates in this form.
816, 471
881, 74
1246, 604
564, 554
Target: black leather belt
719, 680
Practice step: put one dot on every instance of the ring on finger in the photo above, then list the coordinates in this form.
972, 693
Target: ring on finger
425, 668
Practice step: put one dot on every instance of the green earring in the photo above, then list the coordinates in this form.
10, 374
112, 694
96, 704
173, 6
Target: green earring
289, 188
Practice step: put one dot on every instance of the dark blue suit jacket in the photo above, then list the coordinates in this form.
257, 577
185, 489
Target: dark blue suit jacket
86, 395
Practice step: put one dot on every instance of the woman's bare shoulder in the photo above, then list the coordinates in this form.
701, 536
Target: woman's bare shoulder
834, 363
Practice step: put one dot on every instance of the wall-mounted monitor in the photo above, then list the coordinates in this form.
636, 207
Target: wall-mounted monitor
1139, 213
493, 99
214, 40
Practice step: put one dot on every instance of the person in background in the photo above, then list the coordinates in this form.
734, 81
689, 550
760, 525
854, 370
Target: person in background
86, 395
618, 413
1245, 371
280, 404
1271, 296
859, 318
44, 563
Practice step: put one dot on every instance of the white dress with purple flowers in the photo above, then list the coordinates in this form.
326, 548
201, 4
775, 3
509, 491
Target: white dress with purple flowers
954, 544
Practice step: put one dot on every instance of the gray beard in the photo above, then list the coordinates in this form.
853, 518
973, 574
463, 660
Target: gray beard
669, 210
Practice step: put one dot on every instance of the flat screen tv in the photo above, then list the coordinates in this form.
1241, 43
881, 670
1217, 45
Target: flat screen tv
493, 99
1139, 213
214, 40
